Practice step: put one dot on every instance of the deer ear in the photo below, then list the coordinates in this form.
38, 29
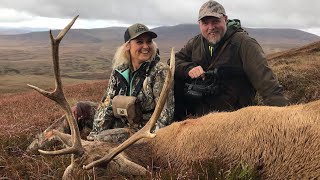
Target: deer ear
126, 167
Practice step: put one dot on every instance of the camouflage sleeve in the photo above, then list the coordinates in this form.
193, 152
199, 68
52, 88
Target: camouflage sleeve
103, 118
166, 116
111, 89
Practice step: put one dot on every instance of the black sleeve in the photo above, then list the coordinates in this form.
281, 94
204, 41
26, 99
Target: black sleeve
184, 61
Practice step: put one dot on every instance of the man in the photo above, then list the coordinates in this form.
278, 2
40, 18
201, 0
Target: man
237, 64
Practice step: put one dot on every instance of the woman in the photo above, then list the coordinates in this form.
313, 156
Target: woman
137, 72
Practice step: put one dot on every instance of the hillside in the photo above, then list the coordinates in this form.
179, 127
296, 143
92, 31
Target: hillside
86, 54
271, 39
23, 115
20, 30
298, 70
300, 51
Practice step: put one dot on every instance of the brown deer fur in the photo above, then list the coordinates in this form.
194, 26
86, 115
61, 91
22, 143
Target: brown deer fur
281, 142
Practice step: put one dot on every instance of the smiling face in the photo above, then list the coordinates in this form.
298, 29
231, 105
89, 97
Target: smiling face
213, 28
141, 48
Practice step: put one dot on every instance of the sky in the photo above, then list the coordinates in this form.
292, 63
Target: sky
55, 14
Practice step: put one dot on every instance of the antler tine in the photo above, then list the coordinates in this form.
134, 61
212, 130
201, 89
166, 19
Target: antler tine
145, 131
55, 55
58, 96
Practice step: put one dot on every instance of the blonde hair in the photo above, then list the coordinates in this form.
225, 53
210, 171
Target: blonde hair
122, 55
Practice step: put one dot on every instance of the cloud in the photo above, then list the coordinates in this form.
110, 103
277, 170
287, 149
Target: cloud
11, 15
252, 13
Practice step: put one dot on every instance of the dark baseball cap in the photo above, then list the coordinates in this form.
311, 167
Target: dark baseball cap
136, 30
211, 8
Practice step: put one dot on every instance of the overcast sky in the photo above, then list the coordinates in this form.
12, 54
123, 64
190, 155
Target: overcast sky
55, 14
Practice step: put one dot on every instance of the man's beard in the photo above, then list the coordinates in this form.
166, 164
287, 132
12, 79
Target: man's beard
217, 38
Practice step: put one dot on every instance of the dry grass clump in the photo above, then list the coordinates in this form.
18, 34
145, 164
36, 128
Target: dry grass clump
24, 115
209, 170
300, 77
13, 84
27, 112
16, 164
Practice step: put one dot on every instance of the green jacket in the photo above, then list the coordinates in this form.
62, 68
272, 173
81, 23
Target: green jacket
241, 52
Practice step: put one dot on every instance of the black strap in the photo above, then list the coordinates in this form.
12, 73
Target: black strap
220, 52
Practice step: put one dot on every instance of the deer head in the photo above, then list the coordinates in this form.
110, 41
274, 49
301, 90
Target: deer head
87, 152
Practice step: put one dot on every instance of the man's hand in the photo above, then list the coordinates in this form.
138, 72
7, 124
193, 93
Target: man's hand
196, 72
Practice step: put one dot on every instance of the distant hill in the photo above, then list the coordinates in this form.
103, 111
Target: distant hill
12, 31
7, 31
276, 40
86, 54
272, 40
300, 51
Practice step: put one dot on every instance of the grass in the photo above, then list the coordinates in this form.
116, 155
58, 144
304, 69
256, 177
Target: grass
300, 77
24, 113
212, 170
16, 164
22, 63
11, 84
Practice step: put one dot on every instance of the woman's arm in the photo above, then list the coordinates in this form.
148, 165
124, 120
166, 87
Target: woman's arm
103, 118
166, 116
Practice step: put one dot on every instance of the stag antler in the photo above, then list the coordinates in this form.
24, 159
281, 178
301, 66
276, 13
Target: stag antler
58, 96
145, 132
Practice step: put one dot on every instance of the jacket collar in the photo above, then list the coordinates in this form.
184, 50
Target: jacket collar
233, 26
144, 66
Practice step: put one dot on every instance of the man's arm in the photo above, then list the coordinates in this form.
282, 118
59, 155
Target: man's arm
184, 61
260, 74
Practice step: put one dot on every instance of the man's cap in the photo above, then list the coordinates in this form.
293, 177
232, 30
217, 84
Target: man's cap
136, 30
211, 8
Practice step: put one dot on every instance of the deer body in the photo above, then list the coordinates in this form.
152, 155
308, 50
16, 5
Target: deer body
280, 142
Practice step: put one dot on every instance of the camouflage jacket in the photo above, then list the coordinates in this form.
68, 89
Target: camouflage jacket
125, 82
